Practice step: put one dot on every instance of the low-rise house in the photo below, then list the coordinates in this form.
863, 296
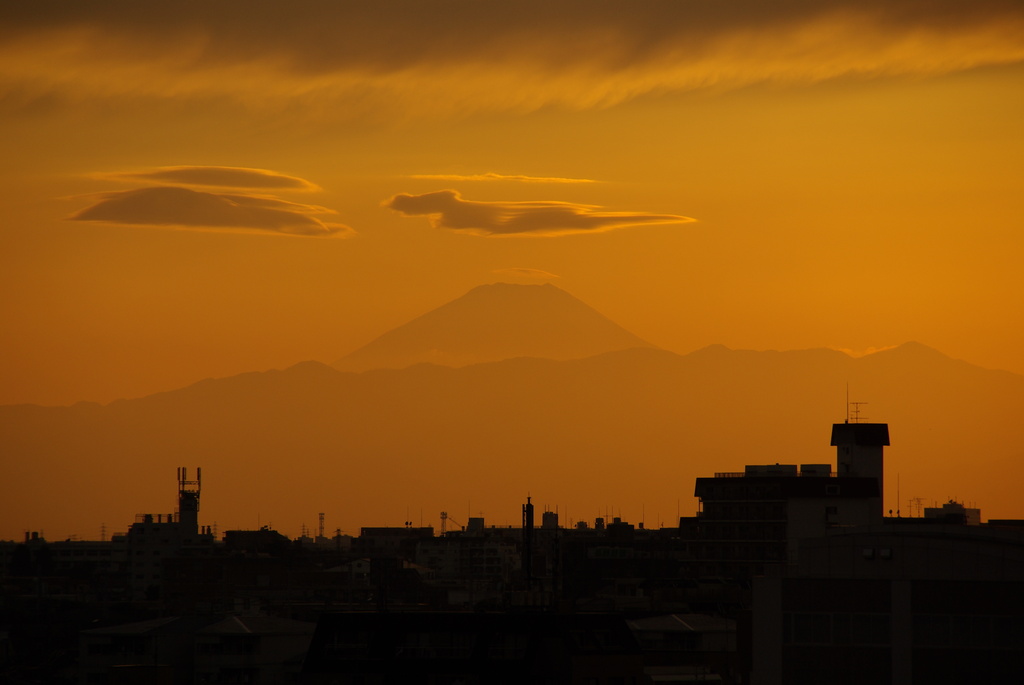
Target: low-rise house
473, 649
186, 650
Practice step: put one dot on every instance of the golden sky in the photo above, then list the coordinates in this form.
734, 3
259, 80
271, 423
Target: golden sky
197, 189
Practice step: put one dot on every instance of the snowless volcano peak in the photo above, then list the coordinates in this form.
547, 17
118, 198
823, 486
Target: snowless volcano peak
494, 322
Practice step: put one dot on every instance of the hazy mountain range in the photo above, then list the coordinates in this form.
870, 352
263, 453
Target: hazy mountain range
623, 428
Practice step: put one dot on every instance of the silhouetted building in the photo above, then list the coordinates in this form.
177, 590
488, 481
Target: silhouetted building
85, 570
470, 567
954, 512
251, 649
789, 574
898, 603
262, 541
623, 569
859, 448
182, 650
751, 522
473, 648
156, 537
159, 651
688, 648
390, 541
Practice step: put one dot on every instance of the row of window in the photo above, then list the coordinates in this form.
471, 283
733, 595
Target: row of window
83, 553
767, 511
439, 644
947, 630
743, 552
929, 630
721, 531
835, 628
740, 491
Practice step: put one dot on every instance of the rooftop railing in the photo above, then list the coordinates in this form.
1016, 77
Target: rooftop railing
775, 474
156, 518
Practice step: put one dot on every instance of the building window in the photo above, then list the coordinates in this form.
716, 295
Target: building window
869, 629
508, 646
931, 630
808, 629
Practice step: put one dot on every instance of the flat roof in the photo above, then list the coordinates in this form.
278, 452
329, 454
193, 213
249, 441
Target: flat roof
863, 434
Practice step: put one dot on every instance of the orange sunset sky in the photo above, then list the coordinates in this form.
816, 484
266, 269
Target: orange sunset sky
195, 189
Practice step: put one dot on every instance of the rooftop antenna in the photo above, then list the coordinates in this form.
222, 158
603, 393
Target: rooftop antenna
918, 501
191, 488
855, 412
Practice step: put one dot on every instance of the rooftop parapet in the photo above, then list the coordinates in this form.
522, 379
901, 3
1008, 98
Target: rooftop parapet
780, 471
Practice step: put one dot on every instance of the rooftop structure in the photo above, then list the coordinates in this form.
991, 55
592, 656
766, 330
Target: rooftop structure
859, 449
753, 520
155, 537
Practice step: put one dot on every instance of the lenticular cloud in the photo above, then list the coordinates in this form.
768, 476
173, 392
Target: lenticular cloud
447, 209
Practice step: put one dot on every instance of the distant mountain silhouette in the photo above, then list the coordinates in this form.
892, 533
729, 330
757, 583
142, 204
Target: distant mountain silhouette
629, 429
495, 322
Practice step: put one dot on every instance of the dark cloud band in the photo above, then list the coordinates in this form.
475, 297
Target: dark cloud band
359, 59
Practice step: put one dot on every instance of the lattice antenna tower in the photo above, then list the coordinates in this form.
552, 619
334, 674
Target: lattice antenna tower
917, 502
189, 488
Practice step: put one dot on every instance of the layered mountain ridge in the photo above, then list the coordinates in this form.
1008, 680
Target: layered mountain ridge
626, 428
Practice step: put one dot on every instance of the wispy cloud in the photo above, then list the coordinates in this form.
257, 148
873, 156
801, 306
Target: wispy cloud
336, 58
500, 177
532, 274
446, 209
217, 177
864, 352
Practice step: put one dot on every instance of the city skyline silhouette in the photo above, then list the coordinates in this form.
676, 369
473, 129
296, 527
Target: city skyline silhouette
508, 338
391, 444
